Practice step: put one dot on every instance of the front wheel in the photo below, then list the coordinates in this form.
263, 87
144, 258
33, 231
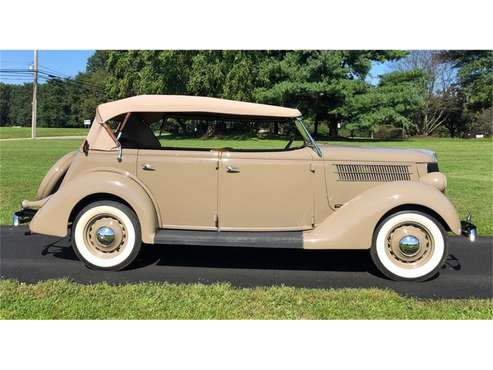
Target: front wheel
106, 235
409, 245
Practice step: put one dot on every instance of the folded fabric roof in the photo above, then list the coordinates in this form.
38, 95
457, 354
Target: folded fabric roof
193, 105
100, 136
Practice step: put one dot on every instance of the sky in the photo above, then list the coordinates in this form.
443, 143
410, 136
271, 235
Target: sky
67, 63
377, 69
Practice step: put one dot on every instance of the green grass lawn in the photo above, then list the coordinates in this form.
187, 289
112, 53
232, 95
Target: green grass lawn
467, 164
62, 299
25, 132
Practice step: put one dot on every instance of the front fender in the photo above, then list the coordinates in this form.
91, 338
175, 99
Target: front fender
352, 225
53, 217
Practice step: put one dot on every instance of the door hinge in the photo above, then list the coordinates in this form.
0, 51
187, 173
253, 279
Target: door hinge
313, 221
216, 221
312, 168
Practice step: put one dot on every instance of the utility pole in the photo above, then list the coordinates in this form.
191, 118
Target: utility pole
35, 93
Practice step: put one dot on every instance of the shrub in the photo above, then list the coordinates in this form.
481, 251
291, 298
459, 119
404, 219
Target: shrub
388, 132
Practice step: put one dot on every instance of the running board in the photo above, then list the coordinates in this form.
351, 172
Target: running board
263, 239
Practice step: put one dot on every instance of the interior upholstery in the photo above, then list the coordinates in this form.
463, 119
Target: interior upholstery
136, 135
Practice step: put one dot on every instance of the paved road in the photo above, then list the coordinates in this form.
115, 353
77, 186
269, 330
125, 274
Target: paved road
467, 272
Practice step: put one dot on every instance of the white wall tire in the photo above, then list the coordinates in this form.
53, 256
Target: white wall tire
388, 249
121, 247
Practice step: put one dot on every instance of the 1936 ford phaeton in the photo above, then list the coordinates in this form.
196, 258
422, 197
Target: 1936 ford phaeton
122, 187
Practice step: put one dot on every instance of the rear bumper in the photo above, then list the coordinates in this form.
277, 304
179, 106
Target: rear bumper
28, 210
23, 216
469, 230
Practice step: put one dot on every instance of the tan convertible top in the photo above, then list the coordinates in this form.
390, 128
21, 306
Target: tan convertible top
101, 138
192, 104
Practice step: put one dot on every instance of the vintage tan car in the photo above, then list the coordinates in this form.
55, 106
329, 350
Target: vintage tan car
123, 187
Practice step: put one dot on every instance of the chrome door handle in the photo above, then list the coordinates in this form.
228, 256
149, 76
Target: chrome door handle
147, 167
232, 169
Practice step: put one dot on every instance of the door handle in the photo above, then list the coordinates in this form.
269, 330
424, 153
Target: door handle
147, 167
232, 169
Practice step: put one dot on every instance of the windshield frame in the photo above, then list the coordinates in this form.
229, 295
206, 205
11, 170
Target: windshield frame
309, 141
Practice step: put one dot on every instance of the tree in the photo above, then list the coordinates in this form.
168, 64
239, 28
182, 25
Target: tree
438, 90
207, 74
20, 104
393, 102
147, 72
475, 74
54, 105
318, 82
5, 92
458, 119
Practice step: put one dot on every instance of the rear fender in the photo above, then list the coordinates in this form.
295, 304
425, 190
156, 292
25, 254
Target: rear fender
352, 225
53, 217
54, 175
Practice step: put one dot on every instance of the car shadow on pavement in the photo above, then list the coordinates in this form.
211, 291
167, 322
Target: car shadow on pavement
60, 248
255, 258
246, 258
236, 258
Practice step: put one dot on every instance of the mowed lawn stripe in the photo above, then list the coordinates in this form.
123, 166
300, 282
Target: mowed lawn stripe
62, 299
25, 132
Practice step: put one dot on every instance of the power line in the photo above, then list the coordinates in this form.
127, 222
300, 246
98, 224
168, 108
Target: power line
53, 77
27, 80
53, 71
84, 83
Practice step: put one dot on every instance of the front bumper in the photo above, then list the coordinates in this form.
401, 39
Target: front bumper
468, 229
23, 216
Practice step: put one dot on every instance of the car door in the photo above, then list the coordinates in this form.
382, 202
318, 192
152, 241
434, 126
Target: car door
266, 191
184, 184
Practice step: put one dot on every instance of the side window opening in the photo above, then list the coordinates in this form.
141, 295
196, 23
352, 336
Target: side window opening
180, 132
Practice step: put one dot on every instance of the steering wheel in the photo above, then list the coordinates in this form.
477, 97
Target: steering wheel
288, 144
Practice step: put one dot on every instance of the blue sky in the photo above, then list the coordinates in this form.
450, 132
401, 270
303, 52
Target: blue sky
63, 62
70, 62
378, 69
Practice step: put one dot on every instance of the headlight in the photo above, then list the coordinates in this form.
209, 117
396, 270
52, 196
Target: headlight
436, 179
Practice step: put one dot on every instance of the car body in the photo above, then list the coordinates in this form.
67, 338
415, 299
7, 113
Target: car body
122, 188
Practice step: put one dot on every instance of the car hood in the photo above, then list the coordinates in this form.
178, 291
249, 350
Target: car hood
352, 153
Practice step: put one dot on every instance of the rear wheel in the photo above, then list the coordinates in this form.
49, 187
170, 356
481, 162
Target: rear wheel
409, 245
106, 235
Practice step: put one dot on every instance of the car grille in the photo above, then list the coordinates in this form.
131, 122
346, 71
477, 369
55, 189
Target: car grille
373, 172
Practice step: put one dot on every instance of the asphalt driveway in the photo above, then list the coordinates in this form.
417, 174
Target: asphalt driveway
468, 271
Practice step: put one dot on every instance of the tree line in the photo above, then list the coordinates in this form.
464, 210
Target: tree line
424, 93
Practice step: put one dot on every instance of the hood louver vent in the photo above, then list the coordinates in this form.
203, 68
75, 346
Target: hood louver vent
373, 172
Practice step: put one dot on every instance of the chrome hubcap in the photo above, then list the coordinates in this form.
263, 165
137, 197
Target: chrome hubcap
105, 235
409, 245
